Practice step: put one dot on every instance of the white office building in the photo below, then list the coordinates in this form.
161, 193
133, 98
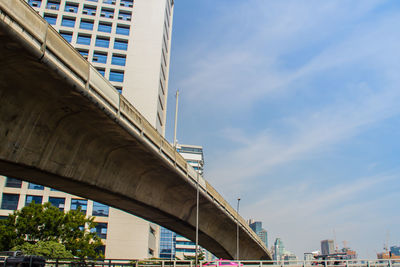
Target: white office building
193, 155
184, 247
128, 42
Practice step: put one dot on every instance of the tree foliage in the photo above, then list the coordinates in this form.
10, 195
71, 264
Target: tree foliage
48, 249
44, 222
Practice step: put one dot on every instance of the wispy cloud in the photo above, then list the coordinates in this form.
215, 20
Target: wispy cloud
247, 61
273, 88
304, 136
311, 214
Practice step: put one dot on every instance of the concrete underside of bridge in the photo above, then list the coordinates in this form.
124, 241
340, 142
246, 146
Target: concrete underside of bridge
52, 135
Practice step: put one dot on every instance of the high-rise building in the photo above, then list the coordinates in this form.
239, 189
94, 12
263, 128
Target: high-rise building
128, 42
279, 249
327, 247
256, 226
282, 255
193, 155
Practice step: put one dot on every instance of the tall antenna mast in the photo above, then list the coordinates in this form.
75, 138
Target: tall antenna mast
176, 116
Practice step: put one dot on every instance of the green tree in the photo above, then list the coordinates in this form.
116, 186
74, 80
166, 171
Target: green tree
48, 249
44, 222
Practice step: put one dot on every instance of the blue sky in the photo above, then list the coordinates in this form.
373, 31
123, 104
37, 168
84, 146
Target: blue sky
297, 106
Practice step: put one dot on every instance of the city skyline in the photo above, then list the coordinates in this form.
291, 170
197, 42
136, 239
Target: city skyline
296, 107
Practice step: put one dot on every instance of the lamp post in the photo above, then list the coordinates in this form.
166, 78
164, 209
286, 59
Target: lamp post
197, 218
237, 229
176, 117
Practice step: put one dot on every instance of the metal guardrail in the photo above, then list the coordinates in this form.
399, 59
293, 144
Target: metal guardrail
191, 263
49, 47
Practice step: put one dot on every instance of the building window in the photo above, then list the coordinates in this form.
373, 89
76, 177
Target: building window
119, 89
104, 27
89, 10
119, 60
71, 7
188, 250
116, 76
86, 24
51, 19
103, 42
67, 36
35, 186
110, 2
30, 199
100, 209
100, 57
83, 39
84, 53
68, 22
121, 44
35, 3
77, 204
107, 13
125, 15
10, 201
54, 5
101, 71
101, 230
151, 252
152, 231
122, 29
13, 182
127, 3
57, 202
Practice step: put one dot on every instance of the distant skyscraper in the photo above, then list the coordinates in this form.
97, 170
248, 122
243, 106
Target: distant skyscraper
327, 247
279, 249
256, 226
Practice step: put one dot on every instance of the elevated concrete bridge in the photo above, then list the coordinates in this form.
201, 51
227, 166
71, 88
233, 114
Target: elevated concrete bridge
63, 125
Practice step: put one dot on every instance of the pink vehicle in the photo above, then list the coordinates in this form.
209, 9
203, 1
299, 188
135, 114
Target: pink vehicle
221, 262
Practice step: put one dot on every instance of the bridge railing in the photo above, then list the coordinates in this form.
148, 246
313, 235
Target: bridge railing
247, 263
44, 42
324, 263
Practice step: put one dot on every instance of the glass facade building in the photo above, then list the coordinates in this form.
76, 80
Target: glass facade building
167, 243
256, 226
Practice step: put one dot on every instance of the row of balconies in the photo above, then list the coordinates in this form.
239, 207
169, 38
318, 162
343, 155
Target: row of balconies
55, 7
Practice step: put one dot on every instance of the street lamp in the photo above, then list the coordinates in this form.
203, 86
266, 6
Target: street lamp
237, 229
197, 217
